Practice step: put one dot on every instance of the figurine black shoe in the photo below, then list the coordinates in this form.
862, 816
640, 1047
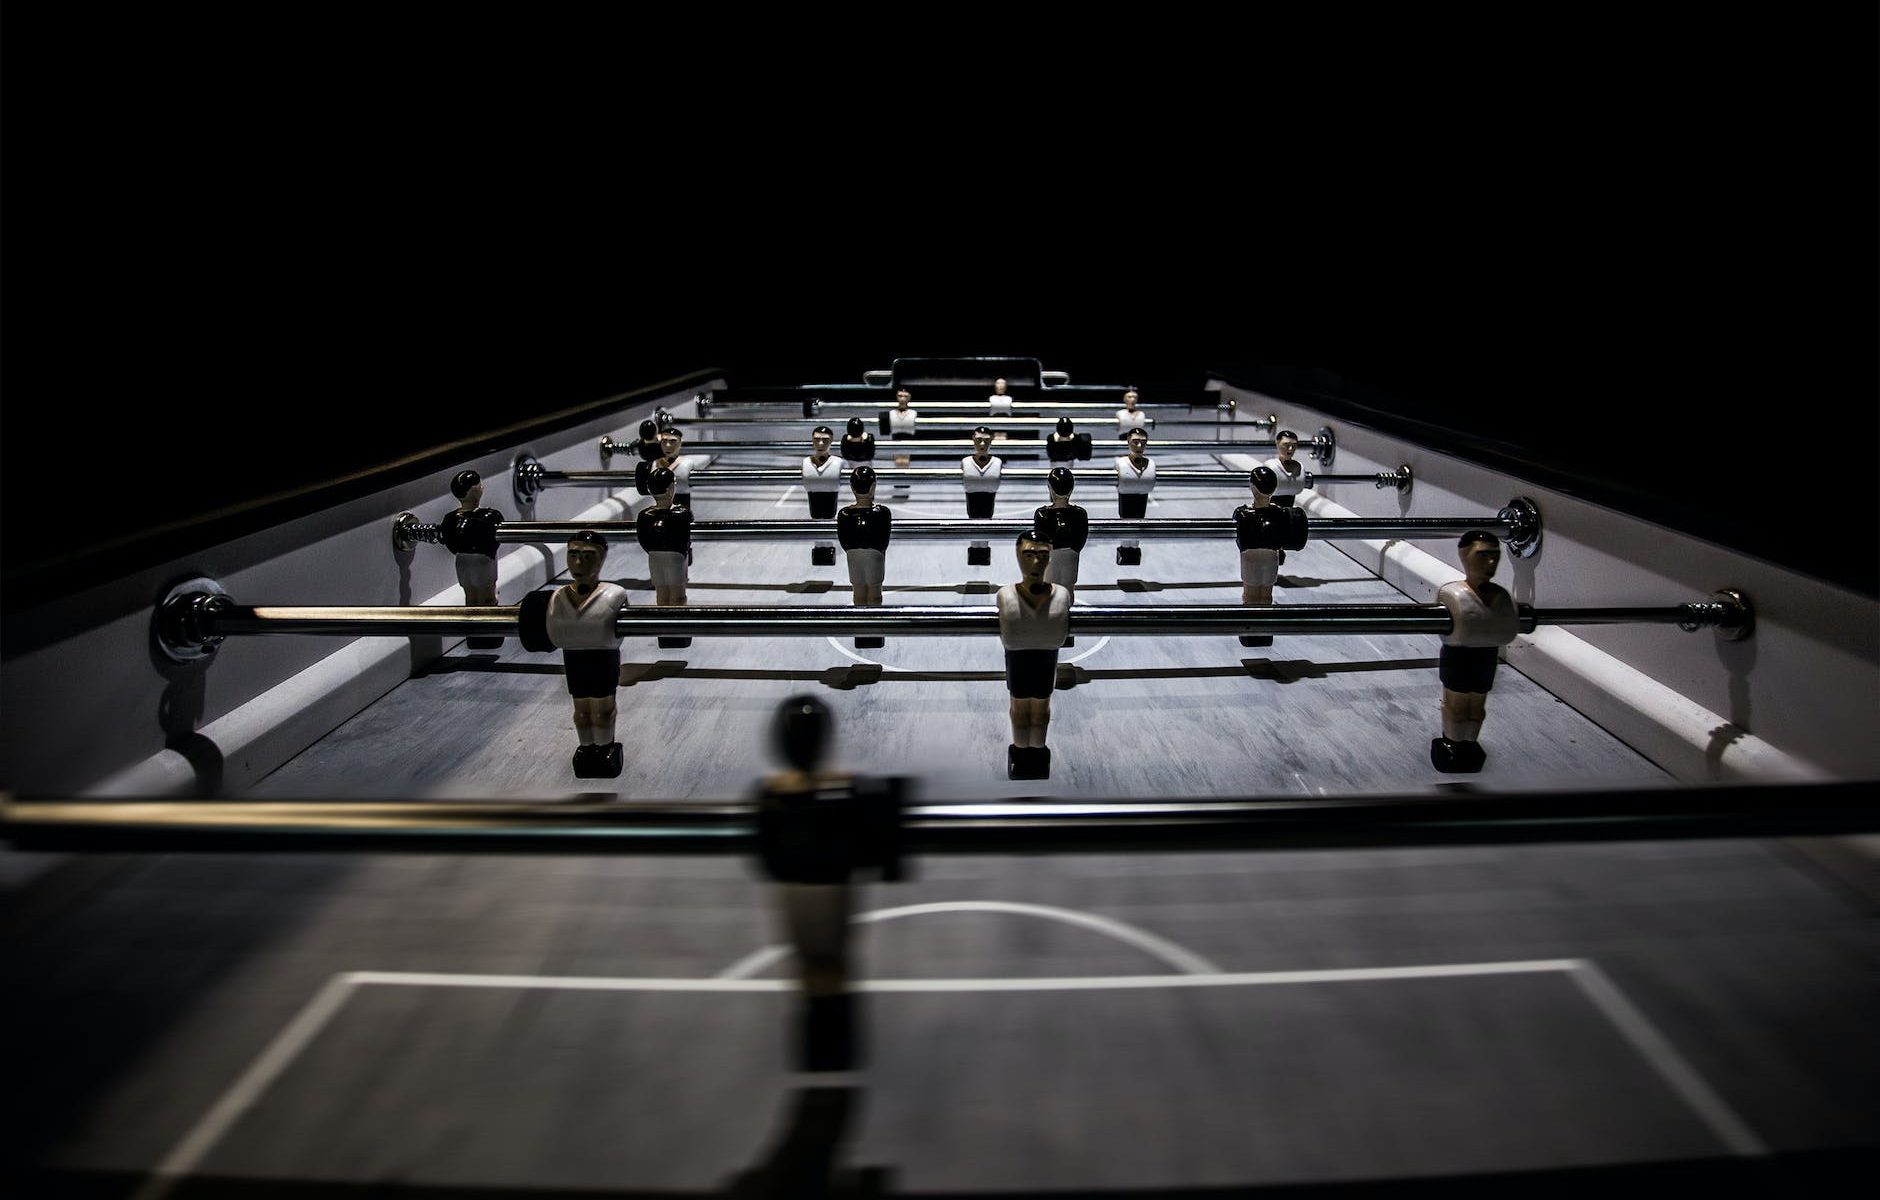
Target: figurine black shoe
1013, 755
674, 643
607, 761
1256, 639
979, 556
1456, 758
483, 643
822, 556
828, 1041
1041, 762
1070, 641
586, 762
870, 643
1030, 762
1129, 556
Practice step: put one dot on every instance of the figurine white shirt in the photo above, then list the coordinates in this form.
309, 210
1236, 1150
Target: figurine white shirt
1290, 483
901, 422
1001, 406
586, 622
824, 478
1126, 420
976, 478
1474, 622
1131, 482
1022, 627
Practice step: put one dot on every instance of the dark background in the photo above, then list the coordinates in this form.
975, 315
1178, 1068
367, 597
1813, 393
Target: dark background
1639, 255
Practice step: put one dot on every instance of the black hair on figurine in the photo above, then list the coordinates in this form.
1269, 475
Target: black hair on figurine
587, 537
1030, 535
1062, 481
674, 430
1476, 535
462, 482
800, 733
862, 479
648, 429
1265, 480
1065, 428
658, 481
824, 430
1285, 433
1138, 431
982, 431
855, 427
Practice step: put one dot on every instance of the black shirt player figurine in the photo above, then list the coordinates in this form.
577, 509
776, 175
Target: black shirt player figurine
858, 445
672, 457
664, 530
469, 532
580, 621
1482, 618
864, 528
1034, 619
1065, 444
1264, 532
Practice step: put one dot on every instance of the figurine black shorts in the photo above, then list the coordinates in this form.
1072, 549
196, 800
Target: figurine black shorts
979, 504
1467, 668
1030, 674
902, 437
822, 505
1131, 505
592, 673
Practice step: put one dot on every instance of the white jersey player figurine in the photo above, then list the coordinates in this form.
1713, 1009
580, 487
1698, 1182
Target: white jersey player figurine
1130, 417
1135, 479
1034, 620
1000, 402
901, 420
581, 622
1483, 618
1291, 472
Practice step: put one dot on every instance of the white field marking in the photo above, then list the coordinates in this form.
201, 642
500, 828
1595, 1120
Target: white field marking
784, 499
203, 1137
844, 650
1671, 1066
1177, 956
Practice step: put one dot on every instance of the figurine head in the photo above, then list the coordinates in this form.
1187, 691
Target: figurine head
1129, 399
799, 734
982, 442
669, 440
1034, 555
1065, 428
587, 550
998, 387
1480, 554
819, 438
648, 430
1264, 481
901, 398
1287, 443
1063, 483
1138, 442
659, 483
467, 486
855, 427
862, 482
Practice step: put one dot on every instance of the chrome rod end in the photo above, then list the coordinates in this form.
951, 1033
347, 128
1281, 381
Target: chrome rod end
609, 448
525, 479
180, 626
1728, 611
1325, 446
1524, 526
1401, 478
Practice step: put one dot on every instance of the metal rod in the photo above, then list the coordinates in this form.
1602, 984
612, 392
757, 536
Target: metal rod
1027, 399
540, 477
1031, 826
928, 529
883, 446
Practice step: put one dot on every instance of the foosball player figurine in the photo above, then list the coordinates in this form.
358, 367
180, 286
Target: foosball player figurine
863, 528
979, 476
648, 443
1129, 416
470, 534
665, 533
1066, 444
1034, 619
1067, 527
579, 619
822, 480
1135, 479
899, 423
1264, 532
1291, 472
1483, 618
672, 457
858, 445
1000, 403
820, 834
